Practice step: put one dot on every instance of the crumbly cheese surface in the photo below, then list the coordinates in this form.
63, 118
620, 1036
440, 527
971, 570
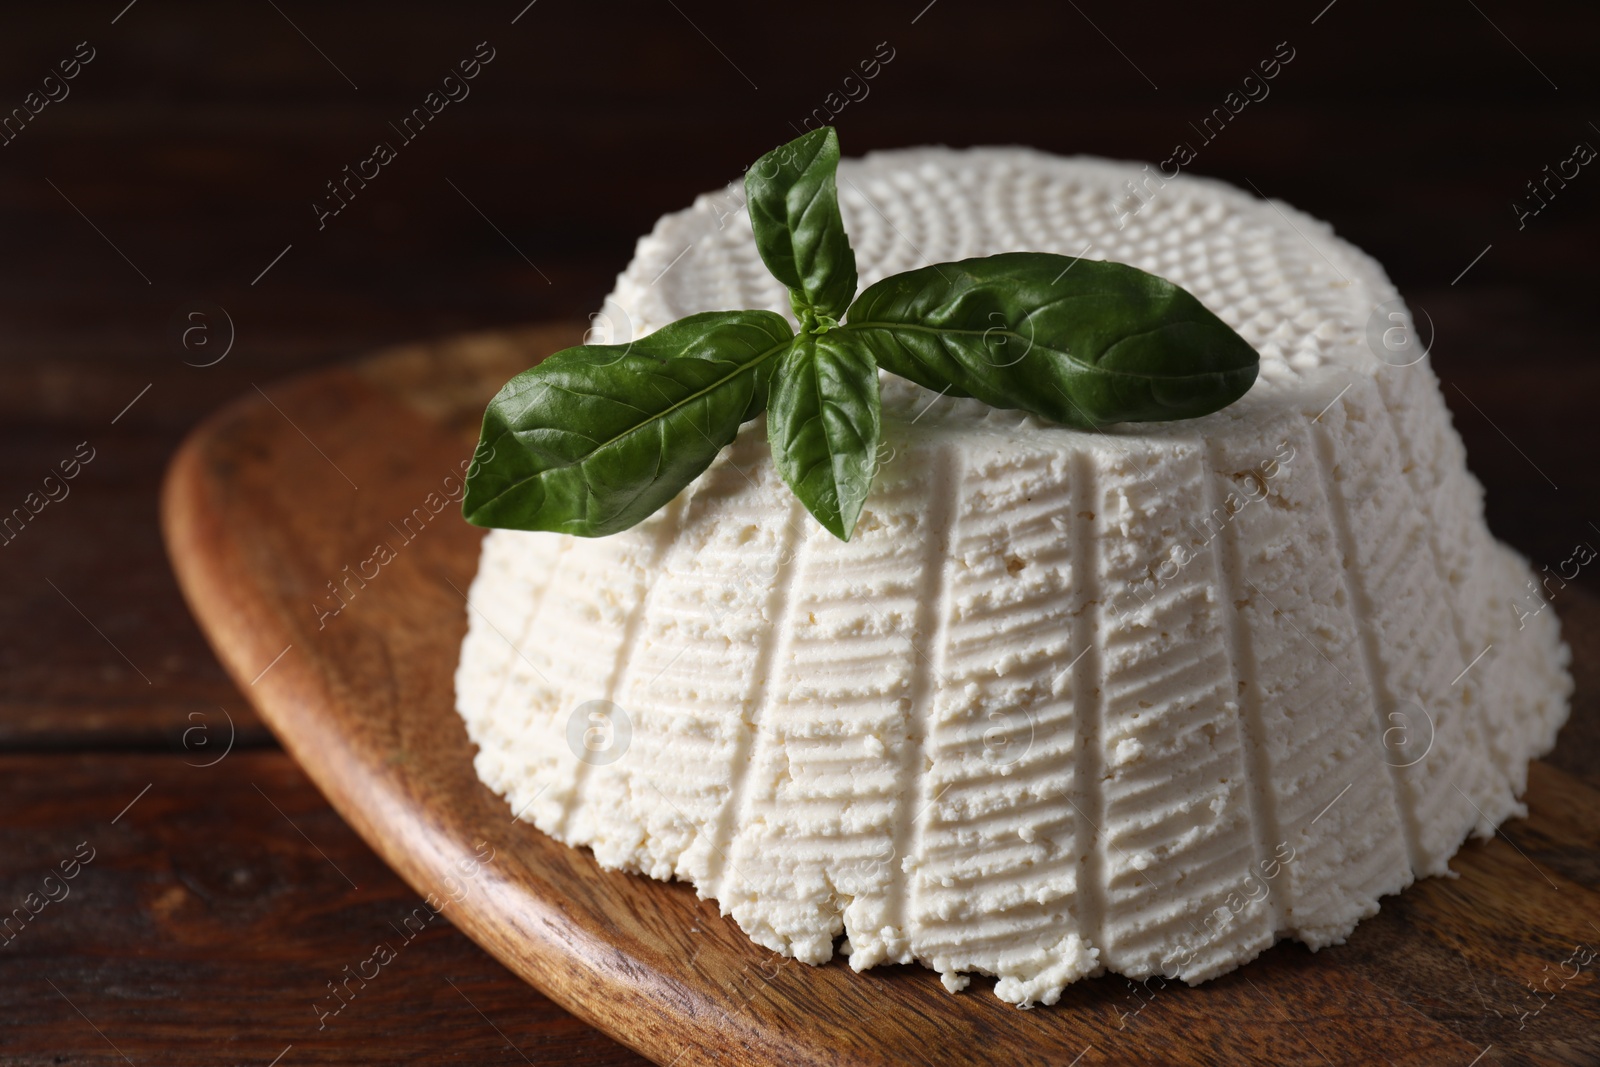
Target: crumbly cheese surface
1140, 701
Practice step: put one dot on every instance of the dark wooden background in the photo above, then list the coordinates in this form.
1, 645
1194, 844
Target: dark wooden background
187, 157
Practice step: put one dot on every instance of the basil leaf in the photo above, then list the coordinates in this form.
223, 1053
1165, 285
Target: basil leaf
598, 437
794, 210
823, 424
1075, 341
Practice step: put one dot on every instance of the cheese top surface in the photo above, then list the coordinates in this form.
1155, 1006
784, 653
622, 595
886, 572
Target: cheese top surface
1142, 700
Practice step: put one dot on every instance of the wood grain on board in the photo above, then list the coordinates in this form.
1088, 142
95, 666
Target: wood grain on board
267, 504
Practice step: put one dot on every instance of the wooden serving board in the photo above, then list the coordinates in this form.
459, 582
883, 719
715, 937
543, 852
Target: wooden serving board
274, 497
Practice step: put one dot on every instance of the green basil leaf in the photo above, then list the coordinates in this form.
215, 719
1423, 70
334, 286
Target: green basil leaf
823, 424
598, 437
794, 210
1075, 341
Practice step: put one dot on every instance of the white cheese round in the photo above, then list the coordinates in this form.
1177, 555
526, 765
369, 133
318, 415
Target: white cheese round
1144, 700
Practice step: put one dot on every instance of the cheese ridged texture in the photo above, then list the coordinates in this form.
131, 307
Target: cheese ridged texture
1140, 701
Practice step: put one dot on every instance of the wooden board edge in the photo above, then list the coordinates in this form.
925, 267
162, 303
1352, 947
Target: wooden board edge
546, 954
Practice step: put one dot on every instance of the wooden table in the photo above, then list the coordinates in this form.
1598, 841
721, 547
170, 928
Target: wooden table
178, 179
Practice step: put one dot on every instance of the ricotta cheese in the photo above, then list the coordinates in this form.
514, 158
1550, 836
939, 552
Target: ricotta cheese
1143, 700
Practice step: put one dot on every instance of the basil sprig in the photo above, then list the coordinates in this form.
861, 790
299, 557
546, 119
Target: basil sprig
598, 437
